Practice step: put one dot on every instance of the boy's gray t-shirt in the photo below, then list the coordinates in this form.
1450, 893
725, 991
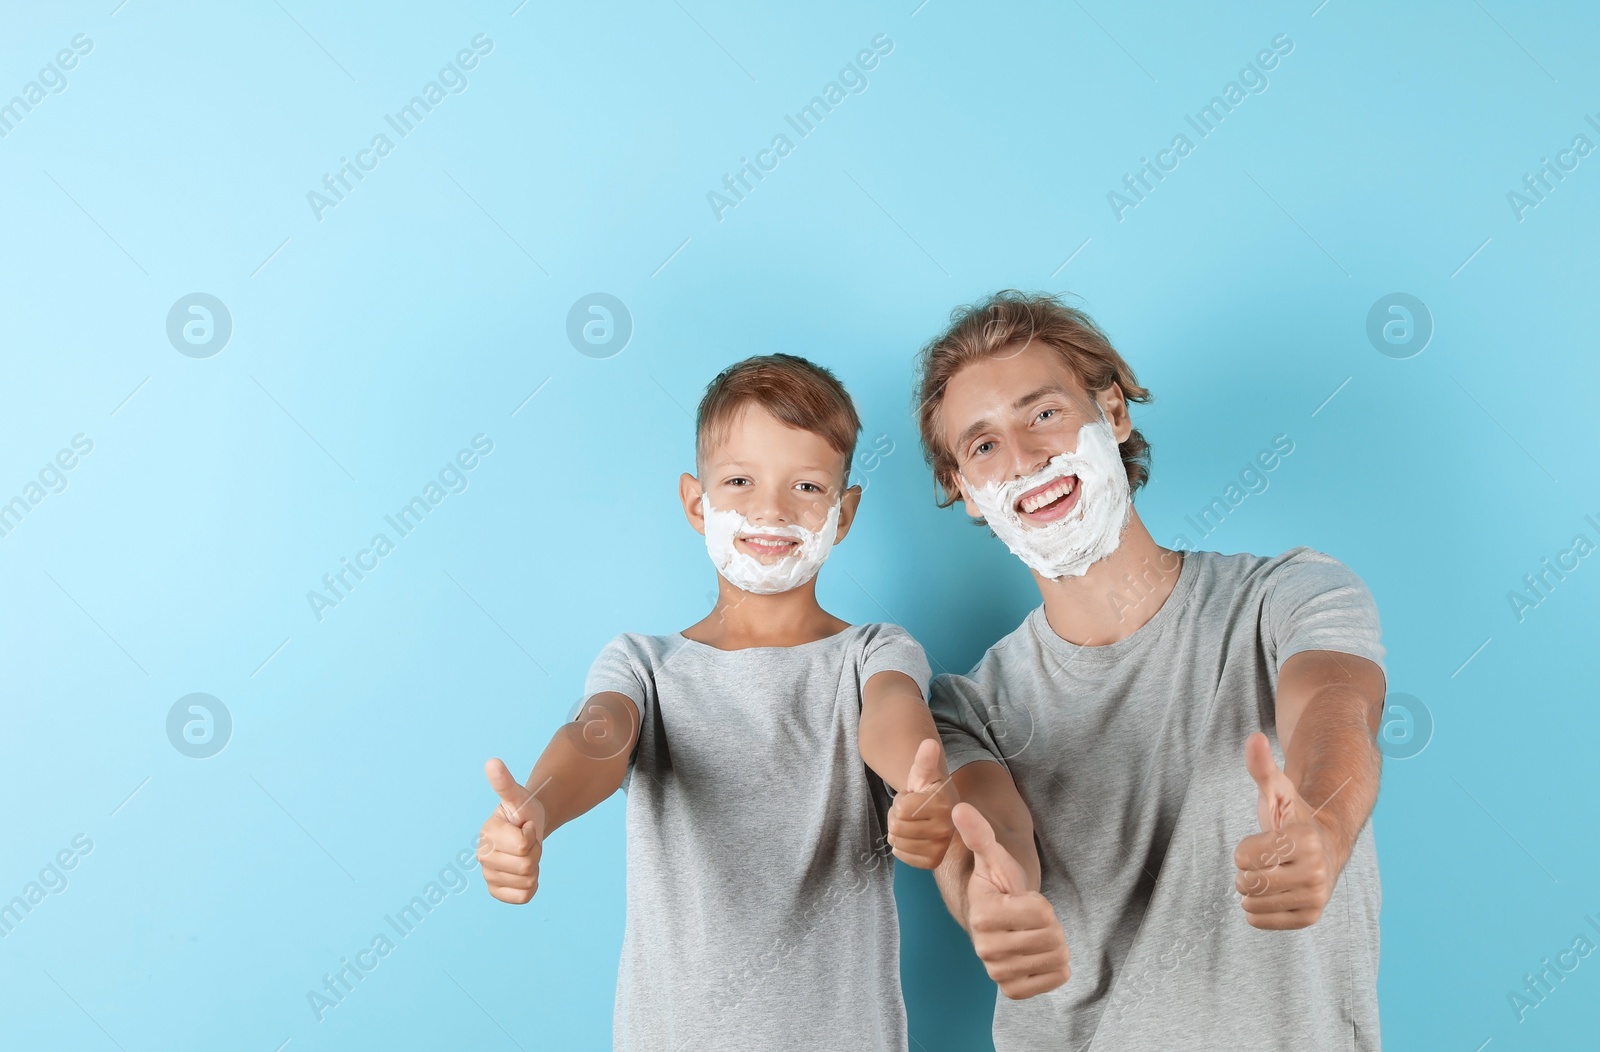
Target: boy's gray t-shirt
1130, 757
760, 890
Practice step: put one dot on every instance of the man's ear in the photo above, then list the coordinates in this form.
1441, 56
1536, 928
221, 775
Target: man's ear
958, 484
689, 491
848, 504
1115, 407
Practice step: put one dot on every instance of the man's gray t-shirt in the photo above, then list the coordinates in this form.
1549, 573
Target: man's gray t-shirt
1130, 757
760, 888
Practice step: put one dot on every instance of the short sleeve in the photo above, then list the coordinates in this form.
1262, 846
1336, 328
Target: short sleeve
1315, 602
966, 722
623, 667
890, 648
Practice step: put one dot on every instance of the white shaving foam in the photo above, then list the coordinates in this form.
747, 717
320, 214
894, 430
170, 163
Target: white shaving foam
745, 571
1093, 528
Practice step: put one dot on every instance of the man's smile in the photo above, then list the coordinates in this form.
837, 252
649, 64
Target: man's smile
1049, 502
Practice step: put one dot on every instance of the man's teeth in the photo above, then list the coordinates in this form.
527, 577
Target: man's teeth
1055, 492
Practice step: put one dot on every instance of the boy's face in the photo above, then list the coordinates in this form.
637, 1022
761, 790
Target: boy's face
1005, 417
773, 475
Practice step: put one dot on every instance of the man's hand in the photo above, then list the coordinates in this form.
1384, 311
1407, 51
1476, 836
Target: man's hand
1286, 872
1015, 932
919, 821
512, 839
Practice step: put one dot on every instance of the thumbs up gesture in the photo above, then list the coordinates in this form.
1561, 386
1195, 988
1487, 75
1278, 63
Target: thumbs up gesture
1286, 872
919, 821
1015, 932
512, 840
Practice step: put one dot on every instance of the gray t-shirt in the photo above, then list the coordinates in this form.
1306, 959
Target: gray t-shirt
760, 888
1130, 757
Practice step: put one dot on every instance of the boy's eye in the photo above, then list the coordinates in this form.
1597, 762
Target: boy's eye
738, 482
811, 487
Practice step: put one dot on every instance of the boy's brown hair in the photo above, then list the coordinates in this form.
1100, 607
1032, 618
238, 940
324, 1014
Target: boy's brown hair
1008, 320
799, 393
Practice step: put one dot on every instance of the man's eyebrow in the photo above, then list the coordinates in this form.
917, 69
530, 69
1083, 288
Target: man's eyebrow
1022, 403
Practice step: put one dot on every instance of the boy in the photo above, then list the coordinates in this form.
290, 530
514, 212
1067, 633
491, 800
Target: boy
755, 748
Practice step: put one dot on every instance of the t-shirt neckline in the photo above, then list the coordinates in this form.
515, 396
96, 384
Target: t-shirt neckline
1105, 654
845, 631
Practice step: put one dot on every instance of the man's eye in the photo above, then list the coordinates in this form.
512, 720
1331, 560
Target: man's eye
982, 448
1046, 413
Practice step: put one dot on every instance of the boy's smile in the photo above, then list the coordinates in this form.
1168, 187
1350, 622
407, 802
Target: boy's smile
763, 545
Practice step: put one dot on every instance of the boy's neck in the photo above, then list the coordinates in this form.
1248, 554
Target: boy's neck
743, 619
1117, 595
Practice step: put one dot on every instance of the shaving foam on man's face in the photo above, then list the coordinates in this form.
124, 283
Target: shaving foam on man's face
1067, 516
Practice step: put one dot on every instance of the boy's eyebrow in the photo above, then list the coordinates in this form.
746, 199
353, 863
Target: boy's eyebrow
1022, 403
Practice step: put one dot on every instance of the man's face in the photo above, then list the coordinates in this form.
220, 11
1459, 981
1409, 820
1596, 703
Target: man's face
1006, 416
773, 475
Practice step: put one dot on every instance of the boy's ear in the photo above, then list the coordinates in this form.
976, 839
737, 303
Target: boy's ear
847, 511
690, 491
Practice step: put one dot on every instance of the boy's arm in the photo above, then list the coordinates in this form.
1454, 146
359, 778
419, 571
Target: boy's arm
895, 721
584, 764
899, 741
586, 759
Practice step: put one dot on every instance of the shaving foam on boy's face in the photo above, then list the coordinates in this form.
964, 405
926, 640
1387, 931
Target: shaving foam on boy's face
1067, 516
772, 498
766, 559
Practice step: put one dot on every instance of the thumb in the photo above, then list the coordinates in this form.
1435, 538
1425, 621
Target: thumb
925, 767
516, 802
1275, 800
990, 861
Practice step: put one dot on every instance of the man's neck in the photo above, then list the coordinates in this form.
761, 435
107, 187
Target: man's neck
1117, 595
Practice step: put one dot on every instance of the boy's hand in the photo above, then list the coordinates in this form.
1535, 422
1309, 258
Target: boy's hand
1015, 932
512, 840
919, 820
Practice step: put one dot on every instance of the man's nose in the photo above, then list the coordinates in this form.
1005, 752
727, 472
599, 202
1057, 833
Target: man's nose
1029, 455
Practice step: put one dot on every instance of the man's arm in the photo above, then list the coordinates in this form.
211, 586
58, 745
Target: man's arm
1329, 711
987, 786
1329, 708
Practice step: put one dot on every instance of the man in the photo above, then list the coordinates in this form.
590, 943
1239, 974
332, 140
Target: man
1116, 752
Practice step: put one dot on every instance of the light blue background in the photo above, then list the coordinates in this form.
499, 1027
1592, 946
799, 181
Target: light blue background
369, 346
